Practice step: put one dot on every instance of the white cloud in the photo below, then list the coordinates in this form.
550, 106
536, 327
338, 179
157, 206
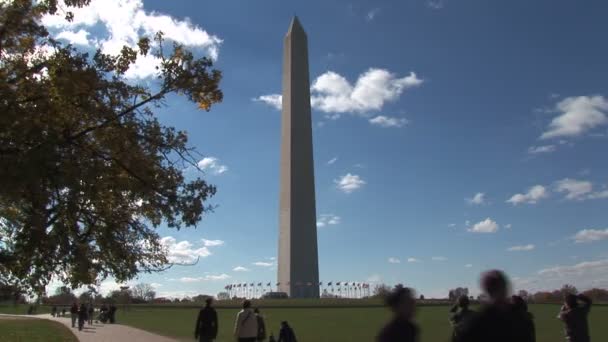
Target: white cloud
332, 93
387, 121
213, 165
76, 38
182, 252
468, 265
328, 219
508, 226
240, 269
208, 277
574, 189
372, 14
583, 275
273, 100
393, 260
478, 199
439, 258
412, 260
332, 160
122, 22
452, 225
374, 278
541, 149
577, 116
599, 194
436, 4
212, 243
485, 226
533, 195
590, 235
521, 248
263, 264
349, 183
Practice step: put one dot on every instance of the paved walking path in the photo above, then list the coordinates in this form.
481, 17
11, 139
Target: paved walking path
99, 332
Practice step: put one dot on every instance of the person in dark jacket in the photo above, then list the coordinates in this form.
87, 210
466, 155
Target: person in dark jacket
54, 311
112, 313
460, 315
286, 333
82, 316
90, 313
496, 320
574, 317
401, 328
525, 329
74, 314
261, 325
206, 323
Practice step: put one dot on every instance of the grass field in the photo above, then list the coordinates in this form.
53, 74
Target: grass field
345, 324
25, 329
338, 324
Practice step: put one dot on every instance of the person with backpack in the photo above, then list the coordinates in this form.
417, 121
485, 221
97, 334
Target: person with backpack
286, 333
246, 324
261, 325
82, 316
206, 323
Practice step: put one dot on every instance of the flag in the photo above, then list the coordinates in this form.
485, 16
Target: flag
329, 284
338, 283
252, 284
278, 284
245, 285
268, 284
320, 283
259, 284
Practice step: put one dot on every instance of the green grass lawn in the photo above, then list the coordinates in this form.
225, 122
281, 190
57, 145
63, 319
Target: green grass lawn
334, 324
344, 324
24, 329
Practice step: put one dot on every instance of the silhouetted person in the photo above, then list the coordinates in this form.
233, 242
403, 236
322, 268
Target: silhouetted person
112, 313
261, 325
496, 321
90, 313
401, 328
74, 314
574, 317
246, 324
525, 329
286, 333
82, 316
206, 323
54, 311
63, 312
460, 315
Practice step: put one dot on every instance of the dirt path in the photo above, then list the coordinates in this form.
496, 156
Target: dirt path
99, 332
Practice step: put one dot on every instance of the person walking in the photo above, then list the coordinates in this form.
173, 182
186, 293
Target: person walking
206, 323
401, 328
261, 325
574, 316
54, 311
496, 321
246, 325
286, 333
460, 315
82, 316
112, 313
90, 313
74, 314
525, 328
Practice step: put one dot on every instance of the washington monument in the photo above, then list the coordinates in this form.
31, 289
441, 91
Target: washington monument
298, 271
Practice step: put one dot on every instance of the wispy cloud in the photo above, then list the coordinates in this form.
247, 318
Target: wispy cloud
439, 258
263, 264
485, 226
240, 269
273, 100
532, 196
478, 199
577, 115
349, 183
372, 14
412, 260
212, 243
541, 149
213, 165
387, 121
182, 252
521, 248
327, 219
590, 235
393, 260
332, 160
222, 276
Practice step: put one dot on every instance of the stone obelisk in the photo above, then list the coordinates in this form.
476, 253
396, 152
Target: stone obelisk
298, 267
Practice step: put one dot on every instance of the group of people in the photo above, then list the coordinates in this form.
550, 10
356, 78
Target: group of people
249, 325
501, 319
86, 313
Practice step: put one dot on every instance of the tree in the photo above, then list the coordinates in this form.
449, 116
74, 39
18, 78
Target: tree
567, 289
143, 292
456, 293
523, 294
87, 173
381, 291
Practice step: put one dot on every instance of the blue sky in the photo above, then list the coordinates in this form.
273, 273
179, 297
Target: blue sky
450, 137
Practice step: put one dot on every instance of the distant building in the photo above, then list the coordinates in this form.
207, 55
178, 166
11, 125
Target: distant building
223, 296
275, 295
